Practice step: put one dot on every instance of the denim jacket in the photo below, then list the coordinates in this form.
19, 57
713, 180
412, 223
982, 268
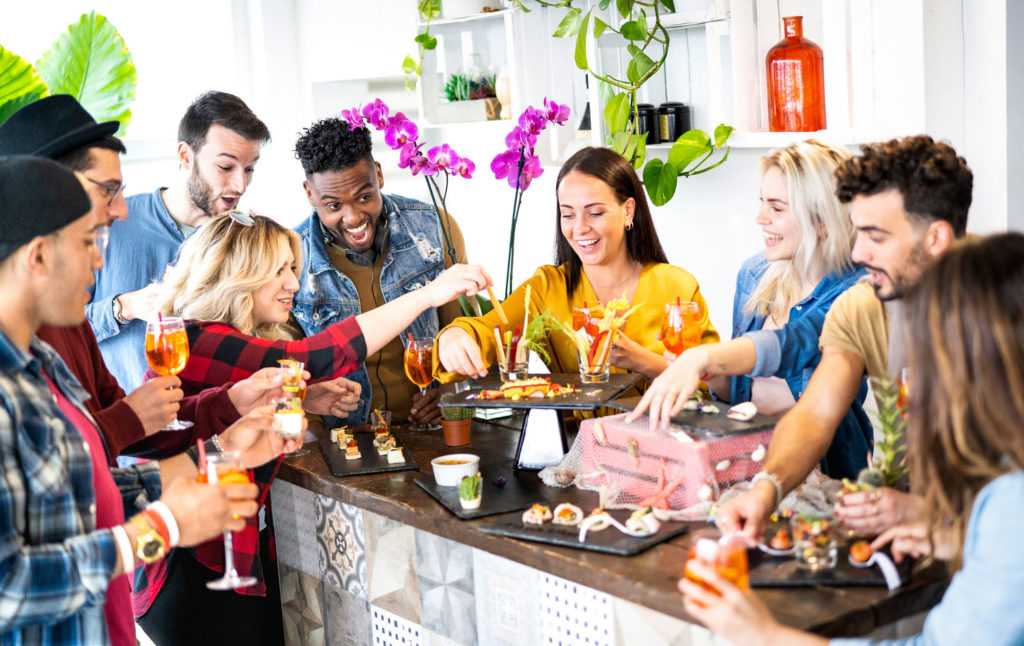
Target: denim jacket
792, 353
414, 257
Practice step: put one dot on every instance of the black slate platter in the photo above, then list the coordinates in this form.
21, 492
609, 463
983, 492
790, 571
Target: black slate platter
588, 397
521, 489
609, 540
370, 462
781, 572
698, 423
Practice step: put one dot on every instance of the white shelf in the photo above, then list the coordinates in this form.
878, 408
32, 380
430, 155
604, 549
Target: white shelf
690, 19
506, 124
441, 22
755, 139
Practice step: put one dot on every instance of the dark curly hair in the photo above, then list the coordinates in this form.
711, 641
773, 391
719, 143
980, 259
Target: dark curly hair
330, 145
934, 181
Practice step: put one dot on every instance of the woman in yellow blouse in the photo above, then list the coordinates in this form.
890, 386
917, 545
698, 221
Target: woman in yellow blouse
607, 247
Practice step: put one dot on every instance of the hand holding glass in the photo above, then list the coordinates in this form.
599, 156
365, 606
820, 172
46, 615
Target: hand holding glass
226, 468
167, 353
419, 367
680, 328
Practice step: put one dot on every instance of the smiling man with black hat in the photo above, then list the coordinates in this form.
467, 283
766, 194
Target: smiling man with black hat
64, 542
58, 127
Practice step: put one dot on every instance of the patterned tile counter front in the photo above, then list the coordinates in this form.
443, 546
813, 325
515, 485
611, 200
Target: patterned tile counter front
374, 560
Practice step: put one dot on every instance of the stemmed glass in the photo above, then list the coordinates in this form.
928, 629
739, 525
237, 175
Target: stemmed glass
167, 353
419, 368
291, 380
226, 468
680, 328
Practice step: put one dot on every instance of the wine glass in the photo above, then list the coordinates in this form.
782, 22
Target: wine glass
226, 468
419, 368
167, 353
291, 384
680, 328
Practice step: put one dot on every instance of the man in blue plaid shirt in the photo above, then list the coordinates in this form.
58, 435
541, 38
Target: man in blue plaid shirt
65, 543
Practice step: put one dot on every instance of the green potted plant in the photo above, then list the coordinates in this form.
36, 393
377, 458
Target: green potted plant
470, 97
455, 422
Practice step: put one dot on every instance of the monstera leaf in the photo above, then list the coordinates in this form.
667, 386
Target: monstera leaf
19, 84
91, 63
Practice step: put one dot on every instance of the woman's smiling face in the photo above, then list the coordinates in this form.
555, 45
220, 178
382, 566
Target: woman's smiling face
781, 235
272, 303
593, 221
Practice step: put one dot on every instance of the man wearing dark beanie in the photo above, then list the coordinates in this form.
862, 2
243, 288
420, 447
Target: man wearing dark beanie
59, 128
64, 543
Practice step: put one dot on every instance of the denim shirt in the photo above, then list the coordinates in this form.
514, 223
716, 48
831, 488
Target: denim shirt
414, 257
55, 564
792, 353
140, 249
982, 603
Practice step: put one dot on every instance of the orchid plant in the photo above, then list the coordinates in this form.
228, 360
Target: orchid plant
402, 134
519, 163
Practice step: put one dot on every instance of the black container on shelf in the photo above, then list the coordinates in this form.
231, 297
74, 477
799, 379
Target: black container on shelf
674, 120
648, 121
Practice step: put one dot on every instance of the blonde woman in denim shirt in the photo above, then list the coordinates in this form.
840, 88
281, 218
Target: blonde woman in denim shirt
965, 447
782, 296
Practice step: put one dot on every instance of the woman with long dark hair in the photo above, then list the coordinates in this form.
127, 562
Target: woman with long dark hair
606, 248
965, 449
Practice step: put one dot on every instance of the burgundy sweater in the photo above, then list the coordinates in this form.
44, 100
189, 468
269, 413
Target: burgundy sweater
211, 410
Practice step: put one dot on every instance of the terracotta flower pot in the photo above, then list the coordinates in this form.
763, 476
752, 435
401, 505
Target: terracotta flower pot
456, 432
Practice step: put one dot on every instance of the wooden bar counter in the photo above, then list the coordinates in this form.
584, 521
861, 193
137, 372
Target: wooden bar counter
375, 559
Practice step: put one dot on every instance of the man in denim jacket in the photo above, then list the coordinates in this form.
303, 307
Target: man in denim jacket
362, 248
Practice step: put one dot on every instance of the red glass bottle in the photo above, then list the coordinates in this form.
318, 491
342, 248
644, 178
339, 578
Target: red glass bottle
796, 82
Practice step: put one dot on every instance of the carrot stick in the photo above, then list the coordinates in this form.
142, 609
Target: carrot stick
497, 306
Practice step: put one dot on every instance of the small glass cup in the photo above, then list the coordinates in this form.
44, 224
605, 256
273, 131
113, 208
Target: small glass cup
291, 377
596, 374
517, 372
815, 539
381, 420
288, 414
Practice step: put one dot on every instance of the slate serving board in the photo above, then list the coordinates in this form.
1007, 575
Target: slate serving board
608, 540
520, 491
588, 397
768, 571
702, 424
370, 462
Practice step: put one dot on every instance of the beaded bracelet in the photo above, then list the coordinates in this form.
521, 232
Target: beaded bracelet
772, 478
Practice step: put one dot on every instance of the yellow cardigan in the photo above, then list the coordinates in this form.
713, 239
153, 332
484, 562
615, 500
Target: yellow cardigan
659, 283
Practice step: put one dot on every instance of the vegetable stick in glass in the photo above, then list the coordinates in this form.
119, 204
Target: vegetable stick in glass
497, 306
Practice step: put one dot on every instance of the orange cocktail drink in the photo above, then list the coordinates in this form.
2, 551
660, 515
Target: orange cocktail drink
728, 555
680, 328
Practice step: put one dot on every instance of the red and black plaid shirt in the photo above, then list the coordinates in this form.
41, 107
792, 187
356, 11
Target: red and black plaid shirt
218, 353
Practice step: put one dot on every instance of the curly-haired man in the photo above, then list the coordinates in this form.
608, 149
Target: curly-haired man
908, 202
362, 248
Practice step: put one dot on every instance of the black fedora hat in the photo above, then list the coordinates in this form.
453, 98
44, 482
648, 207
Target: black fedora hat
51, 127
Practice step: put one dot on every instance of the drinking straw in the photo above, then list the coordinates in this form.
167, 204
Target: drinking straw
679, 302
202, 456
501, 348
497, 306
411, 344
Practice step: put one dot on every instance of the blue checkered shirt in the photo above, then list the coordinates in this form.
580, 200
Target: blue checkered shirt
54, 564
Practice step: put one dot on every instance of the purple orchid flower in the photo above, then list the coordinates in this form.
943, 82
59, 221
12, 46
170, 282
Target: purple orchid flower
402, 131
353, 117
520, 137
531, 169
377, 114
442, 157
555, 112
505, 164
532, 120
410, 157
464, 167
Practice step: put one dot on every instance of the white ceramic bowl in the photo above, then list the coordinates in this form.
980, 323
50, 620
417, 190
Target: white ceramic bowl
450, 475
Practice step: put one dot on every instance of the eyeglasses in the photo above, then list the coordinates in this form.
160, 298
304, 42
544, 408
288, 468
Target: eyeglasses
102, 238
110, 191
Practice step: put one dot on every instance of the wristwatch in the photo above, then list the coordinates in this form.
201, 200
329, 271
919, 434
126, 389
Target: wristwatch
149, 544
121, 320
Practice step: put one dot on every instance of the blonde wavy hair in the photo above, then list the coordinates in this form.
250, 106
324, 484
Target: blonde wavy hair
826, 233
221, 265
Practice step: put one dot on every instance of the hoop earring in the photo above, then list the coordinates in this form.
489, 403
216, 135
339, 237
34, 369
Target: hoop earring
629, 226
